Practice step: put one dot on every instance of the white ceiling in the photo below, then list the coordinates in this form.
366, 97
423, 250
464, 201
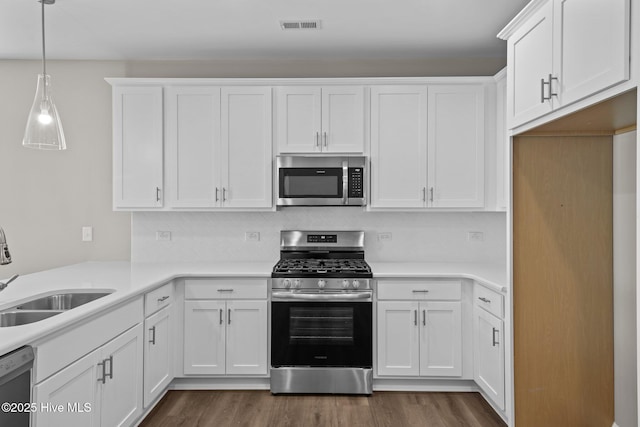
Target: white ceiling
240, 29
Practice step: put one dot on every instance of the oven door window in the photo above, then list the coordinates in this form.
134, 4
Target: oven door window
304, 183
321, 334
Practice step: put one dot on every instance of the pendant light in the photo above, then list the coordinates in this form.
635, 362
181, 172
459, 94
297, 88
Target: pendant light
44, 128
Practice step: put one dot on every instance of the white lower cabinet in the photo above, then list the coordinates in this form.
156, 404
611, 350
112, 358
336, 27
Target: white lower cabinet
488, 346
102, 389
158, 371
419, 338
225, 337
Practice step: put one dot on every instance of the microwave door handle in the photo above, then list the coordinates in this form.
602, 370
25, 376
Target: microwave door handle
345, 181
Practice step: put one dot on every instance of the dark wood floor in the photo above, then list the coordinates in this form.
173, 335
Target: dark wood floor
260, 408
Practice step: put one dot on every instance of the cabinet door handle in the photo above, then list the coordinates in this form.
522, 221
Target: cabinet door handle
157, 194
221, 321
224, 194
424, 317
229, 316
104, 374
318, 139
152, 332
325, 140
431, 194
551, 92
542, 97
415, 317
217, 190
110, 373
495, 343
484, 299
424, 194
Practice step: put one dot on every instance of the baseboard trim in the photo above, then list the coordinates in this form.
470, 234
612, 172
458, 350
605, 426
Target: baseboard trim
424, 385
220, 384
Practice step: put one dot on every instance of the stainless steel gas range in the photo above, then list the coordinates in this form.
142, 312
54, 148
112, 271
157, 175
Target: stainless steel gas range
321, 316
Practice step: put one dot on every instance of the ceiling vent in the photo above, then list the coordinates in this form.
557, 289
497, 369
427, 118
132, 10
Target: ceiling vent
300, 25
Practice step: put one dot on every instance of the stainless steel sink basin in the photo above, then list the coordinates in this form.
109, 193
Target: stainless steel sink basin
22, 317
65, 301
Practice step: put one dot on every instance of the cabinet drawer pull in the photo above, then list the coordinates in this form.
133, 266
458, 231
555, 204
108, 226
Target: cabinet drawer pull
483, 299
152, 333
104, 374
417, 291
415, 317
225, 290
110, 359
164, 298
495, 343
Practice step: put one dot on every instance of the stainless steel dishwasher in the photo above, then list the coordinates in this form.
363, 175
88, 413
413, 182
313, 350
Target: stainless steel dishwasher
15, 387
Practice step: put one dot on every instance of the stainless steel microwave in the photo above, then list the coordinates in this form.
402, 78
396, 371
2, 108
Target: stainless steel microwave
321, 180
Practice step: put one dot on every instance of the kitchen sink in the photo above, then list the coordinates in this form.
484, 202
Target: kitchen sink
23, 317
65, 301
43, 307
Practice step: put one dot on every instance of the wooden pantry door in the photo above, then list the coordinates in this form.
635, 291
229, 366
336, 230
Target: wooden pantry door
563, 281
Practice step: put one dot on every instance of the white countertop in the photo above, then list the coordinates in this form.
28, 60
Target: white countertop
131, 279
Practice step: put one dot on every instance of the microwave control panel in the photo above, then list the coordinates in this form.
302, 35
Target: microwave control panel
356, 177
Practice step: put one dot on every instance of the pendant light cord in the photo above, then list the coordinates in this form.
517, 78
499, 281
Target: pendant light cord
44, 61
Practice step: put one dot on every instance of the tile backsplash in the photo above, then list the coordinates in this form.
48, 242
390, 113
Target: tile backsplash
389, 236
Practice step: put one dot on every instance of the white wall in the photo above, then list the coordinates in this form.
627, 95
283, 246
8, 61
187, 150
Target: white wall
219, 236
624, 278
46, 197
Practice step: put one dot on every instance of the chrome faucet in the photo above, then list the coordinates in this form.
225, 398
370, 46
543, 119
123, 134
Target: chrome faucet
5, 258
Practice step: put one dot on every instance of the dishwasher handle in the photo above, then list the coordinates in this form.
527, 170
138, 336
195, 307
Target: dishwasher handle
15, 364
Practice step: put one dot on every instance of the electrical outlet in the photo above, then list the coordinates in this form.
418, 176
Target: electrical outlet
385, 236
163, 236
87, 234
252, 236
475, 236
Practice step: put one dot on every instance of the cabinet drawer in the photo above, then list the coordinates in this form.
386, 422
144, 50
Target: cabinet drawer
419, 290
490, 300
225, 289
157, 299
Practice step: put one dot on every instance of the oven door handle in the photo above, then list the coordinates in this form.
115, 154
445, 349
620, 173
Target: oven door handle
275, 296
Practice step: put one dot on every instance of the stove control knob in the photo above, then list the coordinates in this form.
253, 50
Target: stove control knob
356, 284
322, 283
345, 284
286, 283
296, 283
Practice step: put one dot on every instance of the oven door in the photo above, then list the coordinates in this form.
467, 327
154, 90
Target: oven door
321, 333
307, 186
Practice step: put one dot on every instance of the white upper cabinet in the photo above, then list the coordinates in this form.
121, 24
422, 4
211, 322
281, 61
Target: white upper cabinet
314, 119
137, 147
246, 147
529, 64
193, 145
427, 146
398, 146
219, 147
561, 51
456, 146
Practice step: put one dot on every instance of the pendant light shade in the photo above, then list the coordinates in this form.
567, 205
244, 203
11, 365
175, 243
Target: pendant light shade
44, 128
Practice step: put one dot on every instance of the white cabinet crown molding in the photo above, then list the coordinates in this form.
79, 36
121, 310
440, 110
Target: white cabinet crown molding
521, 17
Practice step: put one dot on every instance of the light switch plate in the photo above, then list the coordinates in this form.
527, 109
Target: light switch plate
87, 234
252, 236
385, 236
164, 236
475, 236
